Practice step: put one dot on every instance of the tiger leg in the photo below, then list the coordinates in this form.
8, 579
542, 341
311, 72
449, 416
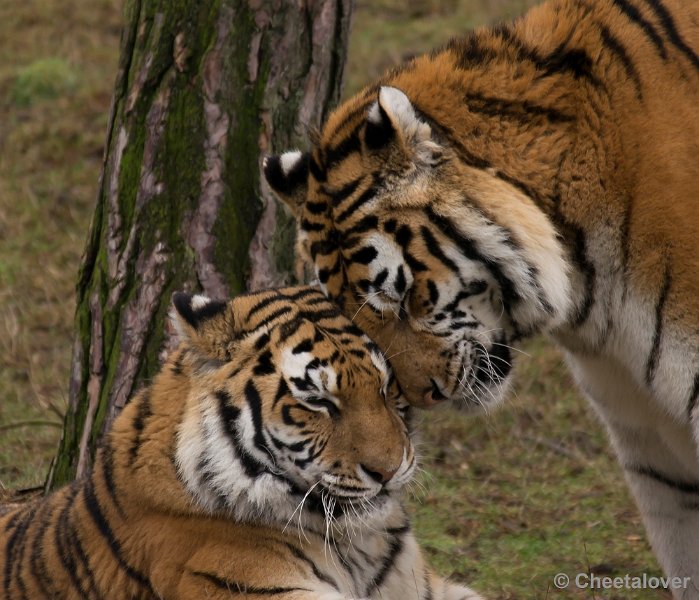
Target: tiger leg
659, 459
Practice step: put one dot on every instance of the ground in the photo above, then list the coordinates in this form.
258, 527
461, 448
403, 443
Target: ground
505, 501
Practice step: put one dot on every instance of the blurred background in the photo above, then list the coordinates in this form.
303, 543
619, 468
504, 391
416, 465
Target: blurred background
505, 501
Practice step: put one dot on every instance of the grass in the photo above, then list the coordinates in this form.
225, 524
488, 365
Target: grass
506, 501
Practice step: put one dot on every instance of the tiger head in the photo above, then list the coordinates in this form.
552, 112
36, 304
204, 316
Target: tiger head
291, 411
442, 262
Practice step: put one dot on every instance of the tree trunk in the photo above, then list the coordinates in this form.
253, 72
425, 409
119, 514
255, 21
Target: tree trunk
204, 87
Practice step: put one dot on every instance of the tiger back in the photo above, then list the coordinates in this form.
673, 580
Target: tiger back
267, 458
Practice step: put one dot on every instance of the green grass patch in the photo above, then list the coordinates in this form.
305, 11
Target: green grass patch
43, 79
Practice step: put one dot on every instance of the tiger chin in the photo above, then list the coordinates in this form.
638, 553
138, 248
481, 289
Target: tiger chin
267, 459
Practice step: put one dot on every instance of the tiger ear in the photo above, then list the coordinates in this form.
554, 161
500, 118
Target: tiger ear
392, 120
207, 326
287, 175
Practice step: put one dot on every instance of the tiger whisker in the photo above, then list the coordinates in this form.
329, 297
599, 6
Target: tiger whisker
366, 297
299, 509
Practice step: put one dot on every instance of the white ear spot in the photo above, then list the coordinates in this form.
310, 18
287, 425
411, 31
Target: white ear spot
289, 160
397, 104
374, 114
199, 301
401, 112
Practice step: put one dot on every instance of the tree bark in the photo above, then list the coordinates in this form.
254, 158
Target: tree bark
204, 88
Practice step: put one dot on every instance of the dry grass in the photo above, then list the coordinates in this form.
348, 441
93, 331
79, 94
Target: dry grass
508, 500
52, 127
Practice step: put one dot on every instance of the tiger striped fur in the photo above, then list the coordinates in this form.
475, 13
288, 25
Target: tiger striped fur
266, 460
541, 175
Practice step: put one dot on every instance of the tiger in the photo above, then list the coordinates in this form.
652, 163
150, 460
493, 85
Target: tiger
267, 459
534, 176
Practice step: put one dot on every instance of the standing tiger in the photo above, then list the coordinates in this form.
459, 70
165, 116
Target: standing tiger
266, 460
541, 175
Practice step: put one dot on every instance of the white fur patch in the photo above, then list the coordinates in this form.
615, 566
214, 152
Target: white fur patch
390, 256
200, 301
323, 377
289, 160
402, 114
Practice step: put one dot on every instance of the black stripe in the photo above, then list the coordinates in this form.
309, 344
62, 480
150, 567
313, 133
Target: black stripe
62, 539
693, 397
14, 550
269, 319
510, 295
265, 364
307, 225
228, 413
395, 547
37, 561
575, 62
363, 198
142, 414
262, 304
107, 460
74, 541
576, 241
254, 402
343, 149
95, 510
325, 274
434, 248
470, 52
687, 487
359, 113
368, 223
282, 390
670, 28
344, 192
364, 255
262, 341
316, 208
323, 247
13, 520
317, 170
303, 293
522, 111
289, 329
298, 553
654, 355
303, 346
634, 15
617, 48
237, 588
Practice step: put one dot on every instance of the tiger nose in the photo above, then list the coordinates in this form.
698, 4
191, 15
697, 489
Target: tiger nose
378, 474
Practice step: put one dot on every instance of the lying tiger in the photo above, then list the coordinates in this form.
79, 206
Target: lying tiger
267, 459
536, 176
